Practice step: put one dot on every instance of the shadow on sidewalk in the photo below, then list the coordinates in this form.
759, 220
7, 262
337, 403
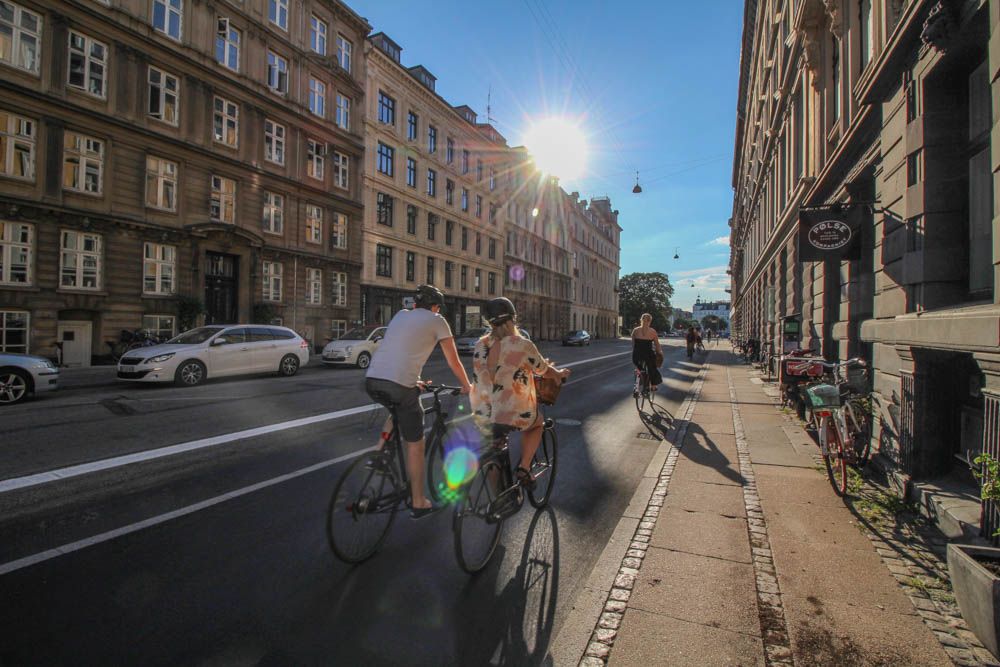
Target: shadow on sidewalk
701, 449
657, 420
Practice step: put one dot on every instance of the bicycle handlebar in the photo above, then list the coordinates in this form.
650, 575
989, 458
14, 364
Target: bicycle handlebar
439, 388
858, 361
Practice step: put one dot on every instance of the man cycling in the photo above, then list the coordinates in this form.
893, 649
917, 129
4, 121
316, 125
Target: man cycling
395, 372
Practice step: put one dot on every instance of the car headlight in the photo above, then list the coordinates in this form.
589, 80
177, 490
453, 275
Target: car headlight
44, 364
159, 358
347, 350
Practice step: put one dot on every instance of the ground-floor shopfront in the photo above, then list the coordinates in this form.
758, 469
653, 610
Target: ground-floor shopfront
599, 323
379, 304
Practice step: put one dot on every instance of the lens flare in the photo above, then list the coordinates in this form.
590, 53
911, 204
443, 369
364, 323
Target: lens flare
460, 466
516, 273
558, 146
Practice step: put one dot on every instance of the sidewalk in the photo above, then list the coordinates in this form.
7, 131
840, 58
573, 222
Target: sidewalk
745, 556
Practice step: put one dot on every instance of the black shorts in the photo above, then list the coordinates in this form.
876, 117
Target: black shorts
406, 400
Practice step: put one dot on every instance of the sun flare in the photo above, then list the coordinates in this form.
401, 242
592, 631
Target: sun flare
558, 146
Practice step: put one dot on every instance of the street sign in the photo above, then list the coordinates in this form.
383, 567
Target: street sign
830, 232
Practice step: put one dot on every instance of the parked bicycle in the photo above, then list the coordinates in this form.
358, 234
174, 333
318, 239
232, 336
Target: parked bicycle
842, 418
375, 486
495, 493
130, 340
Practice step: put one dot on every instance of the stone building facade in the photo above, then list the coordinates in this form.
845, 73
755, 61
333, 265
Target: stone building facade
170, 148
884, 107
430, 198
702, 309
596, 253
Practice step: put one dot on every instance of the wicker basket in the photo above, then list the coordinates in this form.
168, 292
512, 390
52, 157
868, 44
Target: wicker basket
547, 389
824, 396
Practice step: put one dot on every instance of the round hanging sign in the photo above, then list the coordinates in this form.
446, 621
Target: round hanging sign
829, 235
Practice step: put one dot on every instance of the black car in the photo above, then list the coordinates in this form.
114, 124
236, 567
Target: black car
580, 337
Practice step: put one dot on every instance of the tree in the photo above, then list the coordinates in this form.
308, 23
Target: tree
713, 322
640, 293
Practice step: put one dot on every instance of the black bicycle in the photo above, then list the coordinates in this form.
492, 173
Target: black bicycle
642, 392
494, 494
375, 485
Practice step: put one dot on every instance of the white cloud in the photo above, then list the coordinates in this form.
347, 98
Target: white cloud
700, 272
722, 240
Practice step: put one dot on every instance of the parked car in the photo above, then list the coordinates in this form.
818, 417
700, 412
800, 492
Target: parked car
466, 342
579, 337
355, 347
24, 374
217, 351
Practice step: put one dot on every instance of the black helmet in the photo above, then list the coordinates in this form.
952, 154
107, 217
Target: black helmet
428, 295
499, 310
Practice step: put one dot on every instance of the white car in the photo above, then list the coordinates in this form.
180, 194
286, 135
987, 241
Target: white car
24, 374
355, 347
217, 351
466, 342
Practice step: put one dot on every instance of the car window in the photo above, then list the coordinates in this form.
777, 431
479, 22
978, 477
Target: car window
378, 335
259, 334
281, 334
241, 335
195, 336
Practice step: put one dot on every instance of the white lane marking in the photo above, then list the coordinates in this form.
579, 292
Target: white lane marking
16, 483
27, 561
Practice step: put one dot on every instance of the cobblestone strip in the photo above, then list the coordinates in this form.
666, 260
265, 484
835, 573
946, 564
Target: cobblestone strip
606, 630
770, 610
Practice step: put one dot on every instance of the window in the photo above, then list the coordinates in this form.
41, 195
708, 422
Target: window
223, 204
465, 162
491, 283
226, 122
411, 172
338, 328
867, 48
80, 261
432, 139
277, 13
479, 171
449, 191
493, 249
981, 204
432, 223
493, 213
161, 183
158, 265
14, 331
317, 97
161, 326
83, 163
272, 281
493, 179
449, 232
464, 278
411, 263
344, 49
20, 36
277, 73
17, 146
476, 281
16, 247
479, 206
227, 45
314, 224
343, 119
314, 287
411, 126
449, 151
338, 232
383, 209
835, 84
386, 154
449, 269
317, 35
386, 109
411, 219
167, 15
383, 260
430, 271
479, 243
163, 93
465, 199
274, 142
465, 238
87, 64
431, 183
274, 213
315, 152
338, 297
341, 170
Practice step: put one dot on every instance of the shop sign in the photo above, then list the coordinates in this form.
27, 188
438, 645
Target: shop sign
830, 232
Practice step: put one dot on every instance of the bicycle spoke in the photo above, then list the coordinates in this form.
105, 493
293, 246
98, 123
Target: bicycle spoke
477, 533
362, 508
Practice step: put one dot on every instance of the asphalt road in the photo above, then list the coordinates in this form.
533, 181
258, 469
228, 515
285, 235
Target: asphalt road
218, 554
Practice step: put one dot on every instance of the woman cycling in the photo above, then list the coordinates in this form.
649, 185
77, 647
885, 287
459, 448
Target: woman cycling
503, 387
692, 339
645, 349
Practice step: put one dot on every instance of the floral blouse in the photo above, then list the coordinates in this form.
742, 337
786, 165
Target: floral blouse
510, 398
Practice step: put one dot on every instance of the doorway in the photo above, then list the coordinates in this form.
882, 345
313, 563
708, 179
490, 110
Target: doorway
75, 340
221, 288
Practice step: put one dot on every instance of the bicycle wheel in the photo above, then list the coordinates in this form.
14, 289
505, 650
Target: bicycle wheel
476, 527
834, 459
859, 426
362, 508
642, 395
436, 482
543, 469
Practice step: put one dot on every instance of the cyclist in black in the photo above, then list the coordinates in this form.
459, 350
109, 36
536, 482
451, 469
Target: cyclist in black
645, 350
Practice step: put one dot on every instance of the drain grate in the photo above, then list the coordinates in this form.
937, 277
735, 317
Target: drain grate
647, 436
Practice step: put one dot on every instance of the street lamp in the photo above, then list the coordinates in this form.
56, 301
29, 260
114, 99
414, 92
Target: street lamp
676, 255
637, 189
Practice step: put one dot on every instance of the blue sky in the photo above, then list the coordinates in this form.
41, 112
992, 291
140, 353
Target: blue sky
652, 83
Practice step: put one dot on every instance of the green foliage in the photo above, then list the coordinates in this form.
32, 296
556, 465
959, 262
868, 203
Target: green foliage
645, 293
189, 309
264, 313
988, 474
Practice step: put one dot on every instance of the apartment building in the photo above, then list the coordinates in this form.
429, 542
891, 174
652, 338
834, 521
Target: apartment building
430, 200
168, 150
596, 250
863, 204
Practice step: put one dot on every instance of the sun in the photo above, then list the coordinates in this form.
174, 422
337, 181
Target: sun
558, 146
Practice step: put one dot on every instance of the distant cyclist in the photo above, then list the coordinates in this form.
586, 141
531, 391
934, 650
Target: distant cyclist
395, 371
691, 339
645, 349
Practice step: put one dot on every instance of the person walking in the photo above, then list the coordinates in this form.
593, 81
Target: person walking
692, 340
646, 350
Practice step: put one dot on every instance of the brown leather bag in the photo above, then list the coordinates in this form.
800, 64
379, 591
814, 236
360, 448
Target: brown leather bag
547, 389
659, 359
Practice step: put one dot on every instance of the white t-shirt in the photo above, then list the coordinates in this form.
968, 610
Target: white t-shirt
409, 340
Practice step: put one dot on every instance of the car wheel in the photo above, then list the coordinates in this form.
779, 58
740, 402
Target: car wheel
289, 365
191, 373
364, 359
14, 387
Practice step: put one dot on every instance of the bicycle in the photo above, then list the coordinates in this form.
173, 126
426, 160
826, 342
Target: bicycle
494, 494
642, 392
839, 424
131, 340
373, 488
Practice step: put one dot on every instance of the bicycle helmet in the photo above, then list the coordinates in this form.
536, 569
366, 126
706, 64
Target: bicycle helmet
428, 295
499, 310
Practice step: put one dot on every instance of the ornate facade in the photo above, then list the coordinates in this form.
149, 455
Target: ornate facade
596, 255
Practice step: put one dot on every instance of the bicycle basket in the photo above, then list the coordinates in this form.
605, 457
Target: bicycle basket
824, 396
547, 389
857, 379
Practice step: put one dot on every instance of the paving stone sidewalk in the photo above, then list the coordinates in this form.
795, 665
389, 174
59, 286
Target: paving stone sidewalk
746, 556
